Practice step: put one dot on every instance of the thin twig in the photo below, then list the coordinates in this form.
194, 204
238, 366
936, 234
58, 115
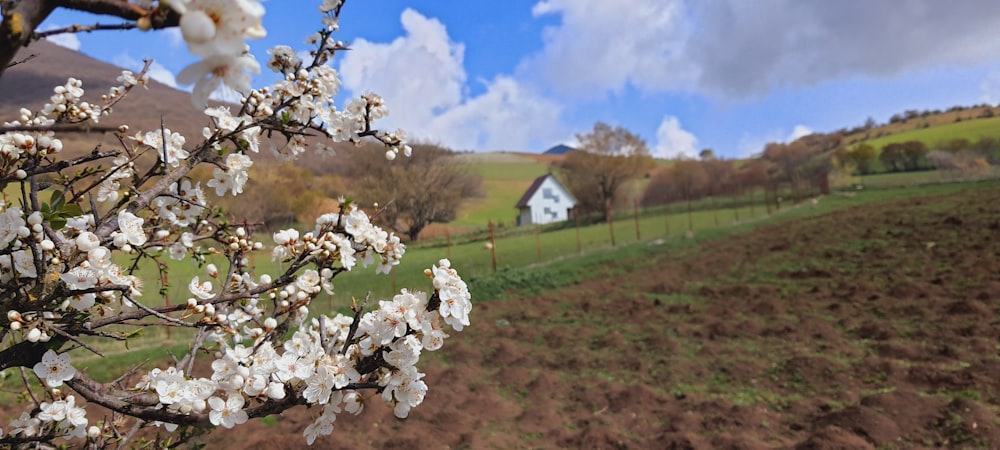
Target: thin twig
188, 359
130, 372
354, 323
160, 315
131, 434
76, 340
24, 378
22, 61
82, 29
60, 128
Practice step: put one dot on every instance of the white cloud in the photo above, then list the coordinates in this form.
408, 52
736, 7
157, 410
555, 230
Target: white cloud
990, 88
156, 71
66, 40
672, 141
799, 131
602, 46
745, 49
505, 117
738, 49
422, 77
419, 73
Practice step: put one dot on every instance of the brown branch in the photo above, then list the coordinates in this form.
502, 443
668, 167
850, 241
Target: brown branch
141, 406
26, 353
19, 22
61, 128
83, 29
118, 8
354, 323
65, 164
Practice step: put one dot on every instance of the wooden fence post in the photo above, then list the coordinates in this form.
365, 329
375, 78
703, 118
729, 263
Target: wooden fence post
538, 242
611, 220
576, 217
166, 296
635, 212
447, 237
666, 216
493, 246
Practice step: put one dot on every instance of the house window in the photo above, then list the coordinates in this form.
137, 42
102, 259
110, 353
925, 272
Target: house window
548, 195
550, 212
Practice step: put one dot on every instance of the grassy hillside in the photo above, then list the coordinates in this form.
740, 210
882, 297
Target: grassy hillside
505, 178
973, 130
922, 120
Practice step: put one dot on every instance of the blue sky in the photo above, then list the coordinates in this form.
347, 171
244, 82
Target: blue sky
730, 75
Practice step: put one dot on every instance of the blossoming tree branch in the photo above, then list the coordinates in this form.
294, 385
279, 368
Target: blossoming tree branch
74, 230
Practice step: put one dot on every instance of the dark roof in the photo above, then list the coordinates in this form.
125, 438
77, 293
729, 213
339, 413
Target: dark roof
523, 202
559, 150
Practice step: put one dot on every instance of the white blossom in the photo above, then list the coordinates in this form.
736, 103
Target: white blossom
54, 369
229, 412
131, 225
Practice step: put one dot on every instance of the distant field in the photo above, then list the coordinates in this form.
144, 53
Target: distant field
972, 130
899, 179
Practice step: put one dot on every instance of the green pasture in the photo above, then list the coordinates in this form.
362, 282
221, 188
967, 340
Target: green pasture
972, 129
505, 179
526, 170
519, 269
497, 205
900, 179
535, 247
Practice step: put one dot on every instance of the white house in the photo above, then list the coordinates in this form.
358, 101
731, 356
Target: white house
546, 201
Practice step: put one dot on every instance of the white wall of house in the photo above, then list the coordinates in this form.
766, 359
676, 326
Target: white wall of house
551, 203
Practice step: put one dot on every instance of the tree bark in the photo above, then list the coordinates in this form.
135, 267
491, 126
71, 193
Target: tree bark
20, 18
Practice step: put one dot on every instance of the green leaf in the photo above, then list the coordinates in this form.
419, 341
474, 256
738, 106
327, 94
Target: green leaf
73, 210
57, 199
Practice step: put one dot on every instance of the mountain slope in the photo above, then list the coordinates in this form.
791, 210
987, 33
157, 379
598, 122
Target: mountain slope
30, 85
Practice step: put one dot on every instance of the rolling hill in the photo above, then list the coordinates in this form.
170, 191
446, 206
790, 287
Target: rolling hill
30, 84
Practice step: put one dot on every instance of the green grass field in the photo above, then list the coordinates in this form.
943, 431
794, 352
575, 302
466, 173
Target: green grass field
505, 178
973, 130
520, 271
532, 249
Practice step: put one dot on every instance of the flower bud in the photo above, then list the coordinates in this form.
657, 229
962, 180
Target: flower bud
13, 316
34, 335
93, 432
87, 241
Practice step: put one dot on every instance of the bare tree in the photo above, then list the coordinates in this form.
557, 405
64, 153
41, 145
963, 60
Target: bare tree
414, 192
608, 158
